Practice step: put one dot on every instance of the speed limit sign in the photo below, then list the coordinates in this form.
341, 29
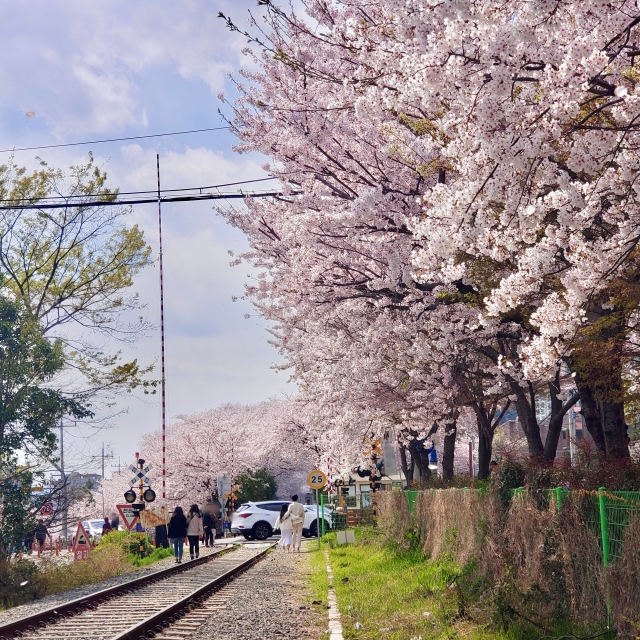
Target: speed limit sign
317, 479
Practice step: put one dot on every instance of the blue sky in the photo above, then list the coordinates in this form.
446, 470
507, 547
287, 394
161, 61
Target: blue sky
116, 68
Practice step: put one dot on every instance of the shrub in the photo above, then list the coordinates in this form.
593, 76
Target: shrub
103, 562
18, 583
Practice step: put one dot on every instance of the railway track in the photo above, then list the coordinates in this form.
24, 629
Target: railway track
168, 605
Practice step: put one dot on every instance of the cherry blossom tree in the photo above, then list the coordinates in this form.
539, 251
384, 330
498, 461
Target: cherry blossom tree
458, 179
226, 440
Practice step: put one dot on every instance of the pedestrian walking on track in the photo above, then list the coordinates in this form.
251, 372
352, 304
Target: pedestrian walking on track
177, 532
195, 529
209, 524
296, 511
286, 528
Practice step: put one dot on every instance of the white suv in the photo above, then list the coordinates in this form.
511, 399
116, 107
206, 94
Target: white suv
255, 520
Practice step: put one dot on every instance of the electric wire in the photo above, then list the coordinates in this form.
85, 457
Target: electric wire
187, 198
132, 193
77, 144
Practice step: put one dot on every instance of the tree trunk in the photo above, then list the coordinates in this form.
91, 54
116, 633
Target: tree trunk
558, 412
614, 429
527, 415
591, 414
420, 458
407, 465
449, 450
485, 449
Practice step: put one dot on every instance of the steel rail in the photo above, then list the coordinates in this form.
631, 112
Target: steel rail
75, 607
161, 620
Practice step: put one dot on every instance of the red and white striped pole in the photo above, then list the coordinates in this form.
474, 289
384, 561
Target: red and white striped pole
164, 423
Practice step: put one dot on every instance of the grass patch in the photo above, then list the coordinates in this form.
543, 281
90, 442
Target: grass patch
319, 584
386, 593
155, 556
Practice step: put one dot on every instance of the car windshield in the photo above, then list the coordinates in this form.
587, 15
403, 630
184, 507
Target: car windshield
242, 507
97, 524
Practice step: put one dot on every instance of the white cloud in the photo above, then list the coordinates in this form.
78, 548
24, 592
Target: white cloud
85, 66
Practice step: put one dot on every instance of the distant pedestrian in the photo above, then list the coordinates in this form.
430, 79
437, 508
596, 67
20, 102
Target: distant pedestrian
28, 540
41, 534
286, 528
296, 511
115, 522
195, 529
208, 522
106, 527
177, 532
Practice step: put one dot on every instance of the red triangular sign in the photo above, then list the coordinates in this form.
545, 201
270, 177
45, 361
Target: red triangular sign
129, 515
81, 540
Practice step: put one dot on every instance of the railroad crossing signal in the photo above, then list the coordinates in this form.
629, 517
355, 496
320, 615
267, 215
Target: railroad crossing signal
317, 479
81, 544
140, 474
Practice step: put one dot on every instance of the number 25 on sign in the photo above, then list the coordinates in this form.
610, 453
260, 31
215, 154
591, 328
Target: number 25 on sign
317, 479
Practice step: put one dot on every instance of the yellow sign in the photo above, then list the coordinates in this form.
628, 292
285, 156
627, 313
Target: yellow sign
317, 479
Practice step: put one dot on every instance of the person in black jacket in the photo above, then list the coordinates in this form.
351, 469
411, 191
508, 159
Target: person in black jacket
177, 532
41, 534
209, 525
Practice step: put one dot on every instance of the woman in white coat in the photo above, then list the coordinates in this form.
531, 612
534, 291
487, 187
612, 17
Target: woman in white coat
286, 528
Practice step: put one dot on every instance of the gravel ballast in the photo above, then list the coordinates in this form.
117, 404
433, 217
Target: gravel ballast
269, 601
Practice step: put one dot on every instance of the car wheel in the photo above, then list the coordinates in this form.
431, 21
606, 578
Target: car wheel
261, 530
248, 536
313, 529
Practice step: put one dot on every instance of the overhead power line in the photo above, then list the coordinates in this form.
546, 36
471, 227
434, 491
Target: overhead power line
177, 198
77, 144
133, 193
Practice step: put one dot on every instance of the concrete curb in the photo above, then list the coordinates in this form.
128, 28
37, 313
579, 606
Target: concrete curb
335, 626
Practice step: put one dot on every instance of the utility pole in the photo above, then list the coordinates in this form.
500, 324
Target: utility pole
164, 423
63, 480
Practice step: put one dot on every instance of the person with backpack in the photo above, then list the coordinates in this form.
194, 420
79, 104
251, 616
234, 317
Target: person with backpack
177, 532
195, 529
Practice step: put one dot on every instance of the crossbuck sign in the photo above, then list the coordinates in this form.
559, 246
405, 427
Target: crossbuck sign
140, 475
